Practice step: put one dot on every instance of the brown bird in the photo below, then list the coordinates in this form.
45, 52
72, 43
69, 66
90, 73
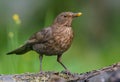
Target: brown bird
54, 40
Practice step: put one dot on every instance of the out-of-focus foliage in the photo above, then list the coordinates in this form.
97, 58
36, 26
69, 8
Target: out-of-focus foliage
97, 34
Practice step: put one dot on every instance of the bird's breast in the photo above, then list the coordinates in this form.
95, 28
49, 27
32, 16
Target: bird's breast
63, 38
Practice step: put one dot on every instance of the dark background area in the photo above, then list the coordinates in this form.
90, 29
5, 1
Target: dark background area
97, 34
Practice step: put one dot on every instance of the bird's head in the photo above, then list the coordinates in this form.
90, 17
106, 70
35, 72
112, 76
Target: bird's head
65, 18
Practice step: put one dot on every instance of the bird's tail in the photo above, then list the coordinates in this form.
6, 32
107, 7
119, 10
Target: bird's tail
21, 50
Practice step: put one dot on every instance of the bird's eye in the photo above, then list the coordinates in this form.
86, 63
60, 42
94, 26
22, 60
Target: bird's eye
65, 16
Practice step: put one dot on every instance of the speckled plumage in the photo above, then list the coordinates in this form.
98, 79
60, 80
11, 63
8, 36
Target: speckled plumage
57, 41
54, 40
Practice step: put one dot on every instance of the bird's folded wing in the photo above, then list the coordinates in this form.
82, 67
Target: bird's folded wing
41, 36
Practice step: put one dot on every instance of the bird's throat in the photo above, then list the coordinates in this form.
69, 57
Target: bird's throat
64, 24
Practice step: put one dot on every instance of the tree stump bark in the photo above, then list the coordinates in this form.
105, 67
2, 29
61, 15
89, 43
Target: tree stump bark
106, 74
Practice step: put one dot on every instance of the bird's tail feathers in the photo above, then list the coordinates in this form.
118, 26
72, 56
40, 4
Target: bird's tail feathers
21, 50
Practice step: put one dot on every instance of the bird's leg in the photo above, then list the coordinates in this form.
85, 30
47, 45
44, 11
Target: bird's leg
40, 58
59, 61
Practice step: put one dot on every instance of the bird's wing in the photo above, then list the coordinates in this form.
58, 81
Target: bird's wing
41, 36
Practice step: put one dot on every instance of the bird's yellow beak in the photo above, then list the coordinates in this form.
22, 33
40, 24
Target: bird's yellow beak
77, 14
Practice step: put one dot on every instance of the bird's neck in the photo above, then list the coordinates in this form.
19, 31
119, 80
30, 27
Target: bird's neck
65, 24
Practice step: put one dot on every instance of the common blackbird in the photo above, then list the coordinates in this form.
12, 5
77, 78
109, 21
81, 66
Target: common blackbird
53, 40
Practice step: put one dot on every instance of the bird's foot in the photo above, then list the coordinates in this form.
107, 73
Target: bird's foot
41, 72
67, 72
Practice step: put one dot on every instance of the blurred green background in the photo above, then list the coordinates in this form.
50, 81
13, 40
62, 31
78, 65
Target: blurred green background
97, 34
